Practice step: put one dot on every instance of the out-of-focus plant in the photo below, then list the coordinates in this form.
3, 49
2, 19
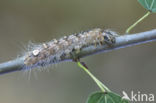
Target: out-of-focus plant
150, 6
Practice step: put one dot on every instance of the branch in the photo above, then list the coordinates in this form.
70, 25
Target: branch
121, 41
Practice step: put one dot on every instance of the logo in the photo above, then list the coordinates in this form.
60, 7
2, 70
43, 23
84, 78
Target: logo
138, 96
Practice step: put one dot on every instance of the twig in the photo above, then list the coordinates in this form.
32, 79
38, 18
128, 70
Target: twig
122, 41
10, 66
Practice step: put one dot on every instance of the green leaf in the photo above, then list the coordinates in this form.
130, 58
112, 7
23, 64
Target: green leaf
109, 97
149, 5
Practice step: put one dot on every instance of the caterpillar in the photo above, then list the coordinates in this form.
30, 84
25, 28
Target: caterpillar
55, 50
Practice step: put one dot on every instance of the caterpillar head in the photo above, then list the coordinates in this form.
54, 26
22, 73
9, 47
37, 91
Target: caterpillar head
109, 37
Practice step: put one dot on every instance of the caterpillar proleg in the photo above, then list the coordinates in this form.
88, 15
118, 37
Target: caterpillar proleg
55, 50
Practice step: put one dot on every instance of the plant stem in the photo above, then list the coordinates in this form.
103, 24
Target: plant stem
132, 26
99, 83
122, 41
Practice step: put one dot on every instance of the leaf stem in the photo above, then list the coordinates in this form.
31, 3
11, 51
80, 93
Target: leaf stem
133, 25
99, 83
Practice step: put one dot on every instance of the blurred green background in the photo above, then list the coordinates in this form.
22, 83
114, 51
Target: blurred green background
38, 21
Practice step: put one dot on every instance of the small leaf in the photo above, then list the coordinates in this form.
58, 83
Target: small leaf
149, 5
109, 97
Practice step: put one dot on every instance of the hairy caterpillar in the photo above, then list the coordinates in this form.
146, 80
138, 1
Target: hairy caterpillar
67, 47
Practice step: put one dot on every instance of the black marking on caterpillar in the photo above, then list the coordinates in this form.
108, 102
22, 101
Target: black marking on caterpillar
56, 50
